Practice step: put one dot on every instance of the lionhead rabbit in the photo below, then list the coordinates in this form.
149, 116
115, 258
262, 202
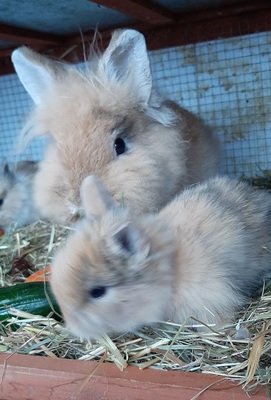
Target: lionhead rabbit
16, 190
202, 256
108, 121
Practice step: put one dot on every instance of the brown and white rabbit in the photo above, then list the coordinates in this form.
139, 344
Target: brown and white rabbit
107, 120
16, 194
203, 256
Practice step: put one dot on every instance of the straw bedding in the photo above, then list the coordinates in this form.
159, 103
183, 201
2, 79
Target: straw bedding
241, 351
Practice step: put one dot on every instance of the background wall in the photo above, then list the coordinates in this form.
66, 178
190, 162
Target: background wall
226, 82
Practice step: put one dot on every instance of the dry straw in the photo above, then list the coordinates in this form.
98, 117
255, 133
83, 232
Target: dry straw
240, 351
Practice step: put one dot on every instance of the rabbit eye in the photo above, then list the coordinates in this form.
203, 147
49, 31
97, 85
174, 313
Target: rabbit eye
120, 146
97, 292
1, 202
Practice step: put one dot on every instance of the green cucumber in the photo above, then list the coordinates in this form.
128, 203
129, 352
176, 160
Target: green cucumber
28, 297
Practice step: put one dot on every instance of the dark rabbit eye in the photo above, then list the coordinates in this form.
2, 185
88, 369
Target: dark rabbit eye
97, 292
1, 202
120, 146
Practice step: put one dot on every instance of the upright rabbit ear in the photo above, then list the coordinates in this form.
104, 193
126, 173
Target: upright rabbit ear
95, 198
126, 60
36, 72
131, 242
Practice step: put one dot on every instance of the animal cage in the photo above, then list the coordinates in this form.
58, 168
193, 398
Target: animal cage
210, 56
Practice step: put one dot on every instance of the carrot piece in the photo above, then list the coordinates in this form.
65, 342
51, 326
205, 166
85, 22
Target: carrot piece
38, 276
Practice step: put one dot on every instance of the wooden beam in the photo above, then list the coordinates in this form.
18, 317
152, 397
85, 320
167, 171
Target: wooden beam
213, 13
28, 37
229, 22
209, 30
27, 377
141, 10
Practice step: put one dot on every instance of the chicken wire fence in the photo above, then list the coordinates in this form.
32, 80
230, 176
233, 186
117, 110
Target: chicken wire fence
227, 82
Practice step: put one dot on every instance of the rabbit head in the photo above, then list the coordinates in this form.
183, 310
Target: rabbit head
107, 120
109, 277
9, 201
16, 205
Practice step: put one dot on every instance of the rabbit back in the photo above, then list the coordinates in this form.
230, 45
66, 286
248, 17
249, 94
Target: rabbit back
223, 240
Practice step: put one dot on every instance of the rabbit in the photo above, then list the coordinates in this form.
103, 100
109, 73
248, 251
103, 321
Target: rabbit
16, 192
107, 120
201, 258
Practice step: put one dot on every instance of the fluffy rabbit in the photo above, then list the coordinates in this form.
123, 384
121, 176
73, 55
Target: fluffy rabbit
16, 189
107, 120
203, 256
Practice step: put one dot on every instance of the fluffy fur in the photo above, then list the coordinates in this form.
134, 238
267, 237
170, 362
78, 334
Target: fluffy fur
16, 191
203, 256
84, 112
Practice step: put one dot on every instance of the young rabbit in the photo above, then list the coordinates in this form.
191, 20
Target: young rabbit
203, 256
107, 120
16, 202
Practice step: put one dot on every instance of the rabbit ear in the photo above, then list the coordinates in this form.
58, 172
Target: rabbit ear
131, 242
126, 239
95, 198
126, 60
36, 72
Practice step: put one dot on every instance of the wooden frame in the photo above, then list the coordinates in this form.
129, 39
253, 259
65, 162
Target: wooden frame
161, 27
142, 10
34, 377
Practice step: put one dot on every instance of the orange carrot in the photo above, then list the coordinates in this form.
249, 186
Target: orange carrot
38, 276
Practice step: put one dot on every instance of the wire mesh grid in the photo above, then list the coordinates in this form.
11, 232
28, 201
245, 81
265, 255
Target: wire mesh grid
227, 82
15, 105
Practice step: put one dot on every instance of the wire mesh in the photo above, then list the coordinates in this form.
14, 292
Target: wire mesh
228, 83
